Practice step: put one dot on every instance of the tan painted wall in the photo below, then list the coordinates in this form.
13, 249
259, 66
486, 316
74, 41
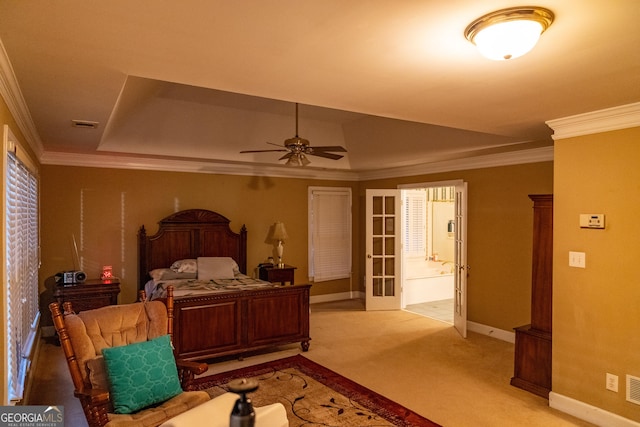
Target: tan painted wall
596, 310
500, 219
115, 203
500, 223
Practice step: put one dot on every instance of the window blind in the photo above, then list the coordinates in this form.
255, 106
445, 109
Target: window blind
22, 248
415, 223
330, 233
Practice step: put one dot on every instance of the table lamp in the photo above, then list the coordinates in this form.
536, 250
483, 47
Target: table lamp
279, 235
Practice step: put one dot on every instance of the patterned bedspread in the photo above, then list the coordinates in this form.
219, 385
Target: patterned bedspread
188, 287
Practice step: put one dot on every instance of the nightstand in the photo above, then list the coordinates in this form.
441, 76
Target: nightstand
275, 274
88, 295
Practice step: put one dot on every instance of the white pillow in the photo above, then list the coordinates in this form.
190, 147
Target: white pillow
211, 268
167, 274
185, 266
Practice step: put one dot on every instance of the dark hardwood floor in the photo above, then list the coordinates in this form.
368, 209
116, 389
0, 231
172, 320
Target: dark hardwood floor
52, 383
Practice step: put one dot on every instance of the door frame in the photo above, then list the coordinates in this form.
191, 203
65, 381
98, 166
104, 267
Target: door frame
461, 267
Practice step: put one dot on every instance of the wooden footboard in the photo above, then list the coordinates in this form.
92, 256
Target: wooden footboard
232, 323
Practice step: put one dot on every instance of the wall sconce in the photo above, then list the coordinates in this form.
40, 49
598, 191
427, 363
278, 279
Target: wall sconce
277, 235
509, 33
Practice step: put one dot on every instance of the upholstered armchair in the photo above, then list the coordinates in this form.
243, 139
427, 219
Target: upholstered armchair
99, 343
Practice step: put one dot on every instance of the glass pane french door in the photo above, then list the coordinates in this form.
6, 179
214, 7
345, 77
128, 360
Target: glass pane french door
383, 268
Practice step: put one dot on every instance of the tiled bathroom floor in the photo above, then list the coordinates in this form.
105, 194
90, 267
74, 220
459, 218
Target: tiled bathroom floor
440, 310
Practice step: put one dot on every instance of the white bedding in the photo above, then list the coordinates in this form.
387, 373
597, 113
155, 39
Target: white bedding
188, 287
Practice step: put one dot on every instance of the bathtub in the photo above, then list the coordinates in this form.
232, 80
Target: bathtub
425, 281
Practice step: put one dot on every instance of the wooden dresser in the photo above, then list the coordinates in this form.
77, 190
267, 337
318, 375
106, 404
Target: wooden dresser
532, 368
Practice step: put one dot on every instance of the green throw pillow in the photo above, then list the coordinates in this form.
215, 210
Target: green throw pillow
141, 374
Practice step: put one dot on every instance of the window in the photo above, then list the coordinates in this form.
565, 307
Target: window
414, 236
22, 261
329, 233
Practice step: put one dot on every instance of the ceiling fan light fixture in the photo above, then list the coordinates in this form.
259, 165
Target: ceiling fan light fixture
509, 33
297, 148
297, 160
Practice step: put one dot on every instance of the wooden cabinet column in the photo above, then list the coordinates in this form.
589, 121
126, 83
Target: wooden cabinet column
532, 367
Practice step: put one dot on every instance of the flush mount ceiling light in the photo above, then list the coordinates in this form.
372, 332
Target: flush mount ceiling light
509, 33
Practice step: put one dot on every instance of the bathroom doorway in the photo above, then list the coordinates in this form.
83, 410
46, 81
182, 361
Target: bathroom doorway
428, 258
389, 234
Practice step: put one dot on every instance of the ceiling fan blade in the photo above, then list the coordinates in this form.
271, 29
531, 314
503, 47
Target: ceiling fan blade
286, 156
261, 151
325, 155
330, 148
277, 145
282, 149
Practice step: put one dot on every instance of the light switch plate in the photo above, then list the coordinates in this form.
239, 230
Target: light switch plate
577, 259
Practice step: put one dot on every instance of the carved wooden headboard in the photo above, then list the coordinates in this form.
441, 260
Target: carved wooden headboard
190, 233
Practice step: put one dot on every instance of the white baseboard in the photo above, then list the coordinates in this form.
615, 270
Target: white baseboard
492, 332
588, 413
340, 296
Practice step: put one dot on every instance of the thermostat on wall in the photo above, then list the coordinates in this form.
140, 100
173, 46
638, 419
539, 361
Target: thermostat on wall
591, 220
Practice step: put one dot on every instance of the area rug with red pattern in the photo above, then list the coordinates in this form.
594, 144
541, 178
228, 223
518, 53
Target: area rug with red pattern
315, 396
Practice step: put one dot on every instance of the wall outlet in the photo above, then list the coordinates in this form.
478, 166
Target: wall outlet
612, 382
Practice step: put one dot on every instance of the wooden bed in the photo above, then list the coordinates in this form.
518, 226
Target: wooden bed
223, 323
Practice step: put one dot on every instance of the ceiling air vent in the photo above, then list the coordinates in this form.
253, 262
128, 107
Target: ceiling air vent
86, 124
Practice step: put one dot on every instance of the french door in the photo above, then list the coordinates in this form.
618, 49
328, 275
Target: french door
383, 269
383, 264
460, 263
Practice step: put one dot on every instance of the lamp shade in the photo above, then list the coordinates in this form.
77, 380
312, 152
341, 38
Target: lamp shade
509, 33
279, 233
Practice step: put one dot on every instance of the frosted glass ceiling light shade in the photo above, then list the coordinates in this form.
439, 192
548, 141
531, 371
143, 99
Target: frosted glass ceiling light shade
509, 33
297, 159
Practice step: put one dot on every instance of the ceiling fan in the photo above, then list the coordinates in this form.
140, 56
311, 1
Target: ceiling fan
297, 148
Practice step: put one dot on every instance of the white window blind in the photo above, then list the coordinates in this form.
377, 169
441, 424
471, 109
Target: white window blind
415, 223
329, 233
22, 248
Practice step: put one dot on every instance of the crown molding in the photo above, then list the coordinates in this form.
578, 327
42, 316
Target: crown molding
621, 117
12, 95
175, 165
215, 167
534, 155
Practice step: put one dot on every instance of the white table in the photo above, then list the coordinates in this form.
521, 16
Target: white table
217, 411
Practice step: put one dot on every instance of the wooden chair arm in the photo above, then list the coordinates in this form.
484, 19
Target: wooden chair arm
95, 396
196, 367
187, 371
95, 404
